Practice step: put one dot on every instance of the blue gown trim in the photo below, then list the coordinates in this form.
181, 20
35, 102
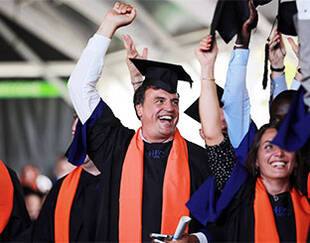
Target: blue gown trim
204, 205
77, 151
294, 130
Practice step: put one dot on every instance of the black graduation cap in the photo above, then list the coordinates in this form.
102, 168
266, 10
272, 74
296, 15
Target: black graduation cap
193, 110
162, 75
229, 16
287, 9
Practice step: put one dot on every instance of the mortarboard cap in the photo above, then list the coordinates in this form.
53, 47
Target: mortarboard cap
287, 9
162, 75
229, 16
193, 110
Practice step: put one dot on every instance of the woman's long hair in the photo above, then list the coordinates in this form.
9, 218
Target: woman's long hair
250, 163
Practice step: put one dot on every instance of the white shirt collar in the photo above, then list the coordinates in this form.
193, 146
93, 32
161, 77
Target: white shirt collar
166, 141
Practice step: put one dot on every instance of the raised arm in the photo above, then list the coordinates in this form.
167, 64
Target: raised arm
135, 76
235, 98
298, 76
82, 82
209, 109
277, 54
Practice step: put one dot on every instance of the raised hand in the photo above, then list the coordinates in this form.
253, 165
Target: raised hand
277, 50
251, 22
243, 38
295, 48
120, 15
209, 109
132, 52
206, 57
131, 48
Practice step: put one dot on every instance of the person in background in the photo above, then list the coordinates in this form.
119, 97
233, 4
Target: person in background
28, 176
14, 218
35, 187
33, 201
80, 205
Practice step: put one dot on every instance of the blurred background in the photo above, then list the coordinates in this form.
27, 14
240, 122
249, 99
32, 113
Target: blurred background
41, 40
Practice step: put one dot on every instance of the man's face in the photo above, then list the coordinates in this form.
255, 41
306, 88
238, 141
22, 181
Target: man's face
223, 125
159, 114
279, 111
74, 126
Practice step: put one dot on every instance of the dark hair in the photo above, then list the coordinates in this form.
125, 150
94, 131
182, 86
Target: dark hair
282, 99
250, 163
139, 95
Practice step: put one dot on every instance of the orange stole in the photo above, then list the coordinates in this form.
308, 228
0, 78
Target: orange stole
265, 226
63, 205
6, 196
176, 189
308, 185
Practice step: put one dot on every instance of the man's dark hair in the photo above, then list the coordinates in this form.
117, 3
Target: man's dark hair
283, 99
139, 95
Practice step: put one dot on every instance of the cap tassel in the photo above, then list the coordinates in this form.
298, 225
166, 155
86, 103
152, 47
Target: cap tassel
265, 79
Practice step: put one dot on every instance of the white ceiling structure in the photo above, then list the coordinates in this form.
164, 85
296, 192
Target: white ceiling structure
171, 29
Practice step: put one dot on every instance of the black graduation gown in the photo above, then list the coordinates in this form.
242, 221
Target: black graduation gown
107, 144
236, 224
83, 212
19, 219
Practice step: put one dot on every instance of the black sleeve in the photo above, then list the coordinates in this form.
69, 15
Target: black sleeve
106, 138
19, 220
236, 222
222, 160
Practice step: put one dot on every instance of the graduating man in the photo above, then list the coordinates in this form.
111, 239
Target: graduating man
150, 174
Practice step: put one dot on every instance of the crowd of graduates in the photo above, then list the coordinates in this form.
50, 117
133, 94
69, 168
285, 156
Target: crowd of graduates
247, 184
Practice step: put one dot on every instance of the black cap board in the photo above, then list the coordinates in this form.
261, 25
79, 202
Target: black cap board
162, 75
287, 9
229, 16
193, 110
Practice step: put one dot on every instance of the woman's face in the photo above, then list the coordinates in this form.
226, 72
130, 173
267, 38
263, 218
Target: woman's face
274, 162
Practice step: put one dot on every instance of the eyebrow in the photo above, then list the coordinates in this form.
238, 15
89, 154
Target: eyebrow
160, 97
267, 141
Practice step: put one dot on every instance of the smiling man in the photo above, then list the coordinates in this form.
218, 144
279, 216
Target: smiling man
150, 174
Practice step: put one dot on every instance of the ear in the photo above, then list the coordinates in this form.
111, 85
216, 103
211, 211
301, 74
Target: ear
139, 110
256, 163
